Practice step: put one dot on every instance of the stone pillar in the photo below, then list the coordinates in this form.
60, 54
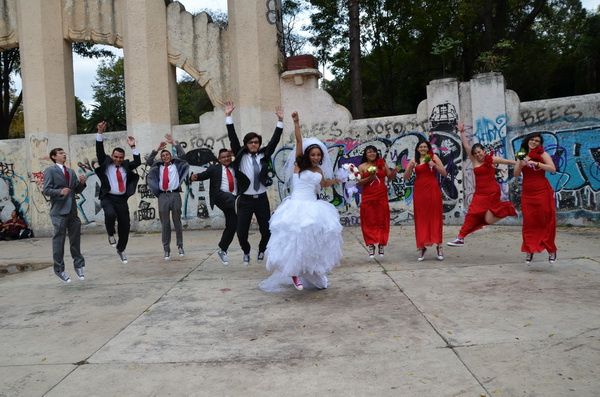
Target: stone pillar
443, 106
148, 74
488, 109
254, 64
48, 93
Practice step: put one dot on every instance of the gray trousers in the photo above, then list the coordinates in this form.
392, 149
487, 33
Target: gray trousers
170, 202
64, 224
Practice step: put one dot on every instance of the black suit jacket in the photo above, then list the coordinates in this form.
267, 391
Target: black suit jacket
223, 200
128, 166
243, 182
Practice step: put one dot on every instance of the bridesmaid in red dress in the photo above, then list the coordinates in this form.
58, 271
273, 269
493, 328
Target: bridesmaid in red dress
486, 208
537, 199
427, 198
374, 205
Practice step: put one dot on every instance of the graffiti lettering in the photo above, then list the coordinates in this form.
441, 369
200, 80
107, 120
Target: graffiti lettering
567, 113
350, 220
7, 169
145, 212
145, 192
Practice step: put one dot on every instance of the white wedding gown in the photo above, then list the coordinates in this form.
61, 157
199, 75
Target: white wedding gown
306, 237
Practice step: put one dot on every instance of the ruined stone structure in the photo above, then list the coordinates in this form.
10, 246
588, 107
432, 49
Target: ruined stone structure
242, 63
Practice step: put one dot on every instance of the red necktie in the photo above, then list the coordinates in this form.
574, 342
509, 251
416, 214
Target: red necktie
165, 185
67, 176
120, 180
229, 179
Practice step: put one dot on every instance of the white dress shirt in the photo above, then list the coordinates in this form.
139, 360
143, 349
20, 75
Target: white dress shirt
111, 172
246, 166
173, 177
225, 181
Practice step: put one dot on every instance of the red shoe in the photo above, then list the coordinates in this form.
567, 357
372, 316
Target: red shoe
297, 283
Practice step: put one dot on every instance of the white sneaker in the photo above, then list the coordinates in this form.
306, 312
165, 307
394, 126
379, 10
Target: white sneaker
122, 256
297, 283
64, 277
371, 250
167, 255
440, 253
79, 271
457, 242
223, 256
422, 256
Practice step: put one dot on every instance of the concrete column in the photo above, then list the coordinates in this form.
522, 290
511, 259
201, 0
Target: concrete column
46, 69
48, 93
147, 71
488, 109
254, 66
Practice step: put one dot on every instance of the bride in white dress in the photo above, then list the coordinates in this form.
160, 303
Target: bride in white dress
306, 234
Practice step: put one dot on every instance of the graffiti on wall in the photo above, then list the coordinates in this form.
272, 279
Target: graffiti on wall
571, 133
576, 155
491, 133
14, 191
397, 151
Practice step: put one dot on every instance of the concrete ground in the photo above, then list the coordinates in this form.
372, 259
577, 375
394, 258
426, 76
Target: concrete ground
480, 323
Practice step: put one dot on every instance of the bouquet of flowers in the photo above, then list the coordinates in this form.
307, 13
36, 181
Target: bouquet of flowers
348, 173
372, 169
428, 158
521, 154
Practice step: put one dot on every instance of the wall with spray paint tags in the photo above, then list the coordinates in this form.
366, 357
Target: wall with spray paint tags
492, 115
14, 181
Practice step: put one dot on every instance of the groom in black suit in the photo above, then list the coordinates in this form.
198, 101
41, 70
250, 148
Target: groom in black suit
117, 183
222, 192
251, 167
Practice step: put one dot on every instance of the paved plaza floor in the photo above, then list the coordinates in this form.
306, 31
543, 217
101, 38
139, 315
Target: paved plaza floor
479, 323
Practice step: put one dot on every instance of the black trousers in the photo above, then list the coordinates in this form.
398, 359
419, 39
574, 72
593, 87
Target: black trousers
230, 227
116, 209
246, 207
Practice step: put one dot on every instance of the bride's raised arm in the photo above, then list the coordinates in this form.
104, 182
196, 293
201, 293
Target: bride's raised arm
297, 134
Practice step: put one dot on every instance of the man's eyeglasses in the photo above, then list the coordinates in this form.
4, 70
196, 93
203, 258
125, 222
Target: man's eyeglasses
253, 142
225, 157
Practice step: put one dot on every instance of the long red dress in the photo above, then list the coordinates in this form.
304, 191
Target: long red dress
539, 212
486, 197
375, 209
427, 202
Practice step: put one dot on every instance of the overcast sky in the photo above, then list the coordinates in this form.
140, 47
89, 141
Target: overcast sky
85, 69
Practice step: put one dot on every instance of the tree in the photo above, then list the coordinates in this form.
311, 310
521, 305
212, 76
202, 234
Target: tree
293, 42
545, 48
109, 95
10, 102
10, 62
81, 115
192, 101
358, 110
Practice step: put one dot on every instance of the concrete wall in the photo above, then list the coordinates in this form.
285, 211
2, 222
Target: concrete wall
493, 115
157, 37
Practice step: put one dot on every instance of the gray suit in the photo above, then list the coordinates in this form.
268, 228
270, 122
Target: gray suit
63, 214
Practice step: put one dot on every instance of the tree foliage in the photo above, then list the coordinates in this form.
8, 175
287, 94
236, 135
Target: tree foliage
544, 48
192, 101
10, 103
11, 108
109, 95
